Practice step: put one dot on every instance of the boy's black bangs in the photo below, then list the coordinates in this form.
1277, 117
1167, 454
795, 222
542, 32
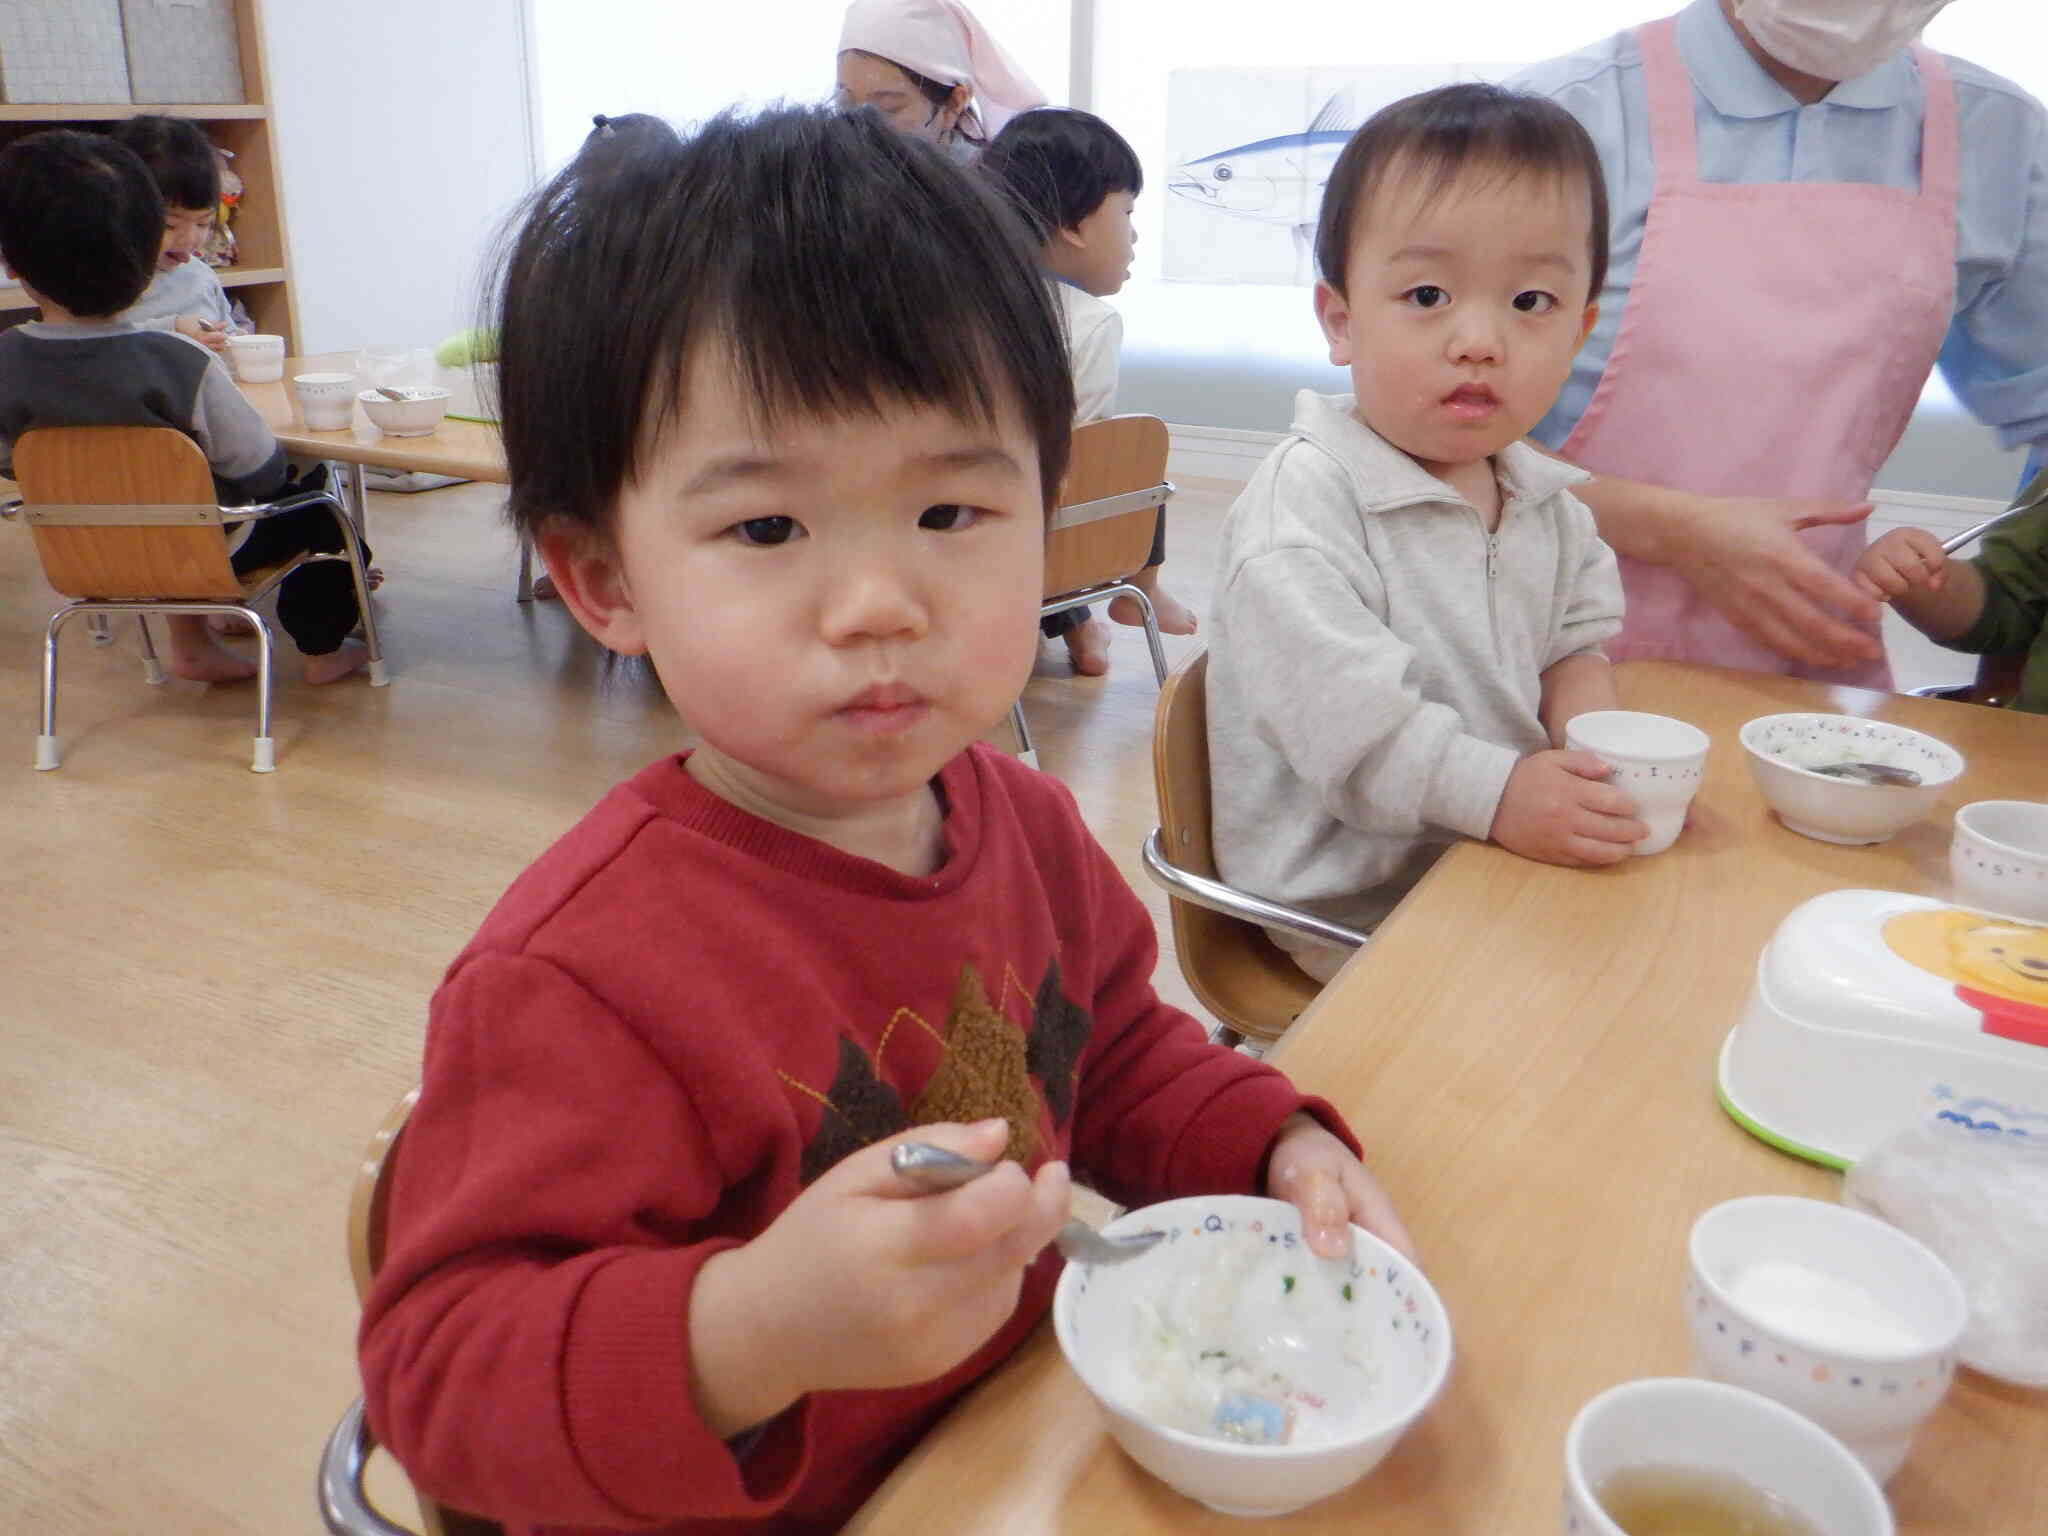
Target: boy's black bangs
179, 155
1441, 134
843, 267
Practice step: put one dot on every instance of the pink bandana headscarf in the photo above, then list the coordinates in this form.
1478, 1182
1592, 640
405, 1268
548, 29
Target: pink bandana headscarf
941, 40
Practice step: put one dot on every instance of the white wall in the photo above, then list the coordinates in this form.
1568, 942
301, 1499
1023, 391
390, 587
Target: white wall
403, 137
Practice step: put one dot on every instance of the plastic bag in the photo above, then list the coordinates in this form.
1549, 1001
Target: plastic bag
1977, 1196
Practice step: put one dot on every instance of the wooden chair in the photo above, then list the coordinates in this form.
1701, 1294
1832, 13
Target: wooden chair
1102, 531
1239, 974
126, 520
344, 1505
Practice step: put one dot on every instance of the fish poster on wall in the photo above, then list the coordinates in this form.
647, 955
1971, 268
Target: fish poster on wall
1249, 150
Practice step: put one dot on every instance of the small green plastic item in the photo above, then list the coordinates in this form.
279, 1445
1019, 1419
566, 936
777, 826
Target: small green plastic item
475, 345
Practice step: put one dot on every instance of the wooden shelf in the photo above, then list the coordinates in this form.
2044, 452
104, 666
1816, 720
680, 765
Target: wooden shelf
243, 129
114, 111
11, 296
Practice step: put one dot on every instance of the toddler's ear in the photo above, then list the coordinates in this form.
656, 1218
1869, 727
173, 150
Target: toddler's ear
1586, 325
591, 580
1333, 313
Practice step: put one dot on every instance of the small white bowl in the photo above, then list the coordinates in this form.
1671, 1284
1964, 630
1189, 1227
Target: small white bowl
1833, 1313
1361, 1347
415, 416
1834, 810
1999, 858
1709, 1427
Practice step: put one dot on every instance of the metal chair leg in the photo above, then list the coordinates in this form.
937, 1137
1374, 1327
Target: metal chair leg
1159, 667
359, 494
525, 568
100, 627
344, 1506
265, 759
358, 569
152, 669
46, 743
1026, 752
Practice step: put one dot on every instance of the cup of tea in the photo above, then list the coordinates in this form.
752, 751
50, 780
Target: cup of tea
257, 359
1685, 1457
1830, 1311
327, 401
1657, 761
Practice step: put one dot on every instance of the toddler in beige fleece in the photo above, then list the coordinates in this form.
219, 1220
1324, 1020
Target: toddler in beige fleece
1411, 602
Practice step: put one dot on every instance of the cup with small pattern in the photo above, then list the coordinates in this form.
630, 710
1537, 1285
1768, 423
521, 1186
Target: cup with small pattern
1834, 1313
257, 359
1999, 858
1657, 761
327, 401
1722, 1434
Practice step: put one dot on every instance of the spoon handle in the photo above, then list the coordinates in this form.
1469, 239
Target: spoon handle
921, 1164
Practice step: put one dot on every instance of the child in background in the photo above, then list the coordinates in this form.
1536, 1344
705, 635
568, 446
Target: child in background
784, 413
1075, 180
1993, 604
1411, 602
81, 224
184, 295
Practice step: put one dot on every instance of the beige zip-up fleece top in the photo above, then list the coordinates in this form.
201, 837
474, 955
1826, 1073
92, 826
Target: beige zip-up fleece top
1376, 660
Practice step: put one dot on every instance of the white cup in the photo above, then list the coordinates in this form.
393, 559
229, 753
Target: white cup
1707, 1426
327, 401
1657, 761
257, 359
1833, 1313
1998, 858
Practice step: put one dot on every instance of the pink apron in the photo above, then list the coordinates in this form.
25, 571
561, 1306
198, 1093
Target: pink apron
1774, 344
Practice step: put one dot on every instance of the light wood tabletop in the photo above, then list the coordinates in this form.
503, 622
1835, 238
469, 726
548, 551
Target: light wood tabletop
1528, 1055
468, 450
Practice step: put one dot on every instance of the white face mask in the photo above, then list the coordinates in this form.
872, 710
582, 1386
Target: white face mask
1835, 39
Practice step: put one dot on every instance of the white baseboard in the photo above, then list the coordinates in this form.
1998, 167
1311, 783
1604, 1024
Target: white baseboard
1227, 453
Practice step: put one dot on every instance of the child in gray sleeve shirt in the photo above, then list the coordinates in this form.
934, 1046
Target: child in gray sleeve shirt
1411, 602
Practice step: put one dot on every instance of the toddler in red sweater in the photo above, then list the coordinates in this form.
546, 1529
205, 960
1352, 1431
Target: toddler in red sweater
785, 405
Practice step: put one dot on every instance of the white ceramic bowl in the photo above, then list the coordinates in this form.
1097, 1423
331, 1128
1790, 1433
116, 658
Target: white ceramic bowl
1844, 810
1363, 1346
414, 416
1999, 858
1706, 1426
1831, 1312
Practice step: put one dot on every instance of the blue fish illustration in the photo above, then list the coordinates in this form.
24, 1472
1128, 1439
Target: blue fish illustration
1267, 179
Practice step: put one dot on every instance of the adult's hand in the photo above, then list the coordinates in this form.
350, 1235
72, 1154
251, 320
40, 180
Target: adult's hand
1744, 556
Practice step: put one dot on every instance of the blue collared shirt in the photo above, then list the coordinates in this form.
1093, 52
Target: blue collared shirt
1867, 130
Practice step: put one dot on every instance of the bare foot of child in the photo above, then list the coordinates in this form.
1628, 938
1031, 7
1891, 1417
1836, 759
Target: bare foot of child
1088, 648
229, 624
196, 658
333, 666
1174, 616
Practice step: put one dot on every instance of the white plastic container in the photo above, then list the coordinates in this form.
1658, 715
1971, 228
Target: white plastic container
1844, 1040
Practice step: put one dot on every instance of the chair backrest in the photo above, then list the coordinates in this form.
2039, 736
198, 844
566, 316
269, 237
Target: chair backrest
1998, 678
172, 547
1112, 457
1239, 974
368, 1215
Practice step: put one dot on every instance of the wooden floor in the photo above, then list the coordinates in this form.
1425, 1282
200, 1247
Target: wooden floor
213, 984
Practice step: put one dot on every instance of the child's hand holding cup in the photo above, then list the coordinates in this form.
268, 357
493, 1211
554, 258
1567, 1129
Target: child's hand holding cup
1658, 762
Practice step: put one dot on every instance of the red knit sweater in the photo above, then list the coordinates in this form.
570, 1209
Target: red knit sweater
673, 1021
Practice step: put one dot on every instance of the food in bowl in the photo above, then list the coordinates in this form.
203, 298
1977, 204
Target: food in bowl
418, 412
1242, 1370
1786, 751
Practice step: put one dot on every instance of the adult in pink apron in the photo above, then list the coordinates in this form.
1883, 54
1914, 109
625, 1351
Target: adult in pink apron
1774, 343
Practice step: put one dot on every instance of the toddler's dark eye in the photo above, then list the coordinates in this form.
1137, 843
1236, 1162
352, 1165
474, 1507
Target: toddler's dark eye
1534, 301
948, 517
1427, 296
766, 530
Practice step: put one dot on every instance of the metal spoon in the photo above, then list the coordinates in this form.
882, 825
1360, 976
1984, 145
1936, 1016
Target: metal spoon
392, 394
924, 1166
1872, 773
2031, 495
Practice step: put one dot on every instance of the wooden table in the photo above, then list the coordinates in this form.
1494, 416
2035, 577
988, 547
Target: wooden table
1528, 1054
468, 450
